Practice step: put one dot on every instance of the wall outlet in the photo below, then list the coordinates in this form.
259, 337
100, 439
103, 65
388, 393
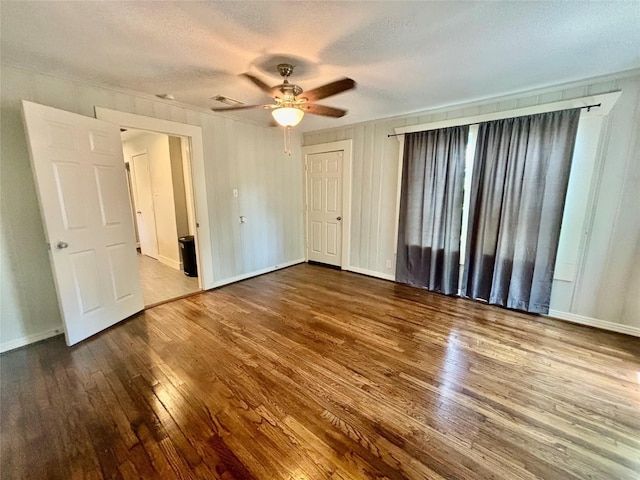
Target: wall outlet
388, 263
235, 193
243, 219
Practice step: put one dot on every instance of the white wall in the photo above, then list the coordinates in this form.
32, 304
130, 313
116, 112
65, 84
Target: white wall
237, 155
608, 283
156, 146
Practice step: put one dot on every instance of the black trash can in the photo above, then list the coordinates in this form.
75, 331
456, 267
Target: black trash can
188, 254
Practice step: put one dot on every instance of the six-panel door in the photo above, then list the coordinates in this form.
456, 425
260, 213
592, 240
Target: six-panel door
84, 200
324, 203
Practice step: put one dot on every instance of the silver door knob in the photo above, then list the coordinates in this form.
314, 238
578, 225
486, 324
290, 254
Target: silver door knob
61, 245
339, 218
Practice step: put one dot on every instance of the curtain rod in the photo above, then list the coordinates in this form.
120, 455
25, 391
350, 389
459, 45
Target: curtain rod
588, 107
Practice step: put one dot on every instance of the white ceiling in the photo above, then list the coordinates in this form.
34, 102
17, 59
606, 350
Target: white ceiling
405, 56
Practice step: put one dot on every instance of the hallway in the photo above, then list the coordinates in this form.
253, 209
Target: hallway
161, 282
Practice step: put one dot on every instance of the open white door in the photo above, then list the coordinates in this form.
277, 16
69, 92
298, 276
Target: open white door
145, 213
82, 189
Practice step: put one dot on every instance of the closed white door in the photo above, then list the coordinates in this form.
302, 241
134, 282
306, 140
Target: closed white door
82, 189
324, 207
145, 213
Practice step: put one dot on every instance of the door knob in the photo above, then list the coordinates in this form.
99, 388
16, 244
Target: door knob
61, 245
339, 218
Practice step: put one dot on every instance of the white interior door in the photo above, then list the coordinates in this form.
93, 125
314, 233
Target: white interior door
145, 212
324, 207
82, 189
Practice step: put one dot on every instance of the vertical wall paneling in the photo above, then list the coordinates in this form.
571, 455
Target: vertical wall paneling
606, 275
122, 102
51, 90
90, 96
613, 242
143, 106
366, 195
236, 253
359, 246
24, 257
161, 110
177, 114
234, 213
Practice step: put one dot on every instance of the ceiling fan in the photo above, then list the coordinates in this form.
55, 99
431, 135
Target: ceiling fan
290, 102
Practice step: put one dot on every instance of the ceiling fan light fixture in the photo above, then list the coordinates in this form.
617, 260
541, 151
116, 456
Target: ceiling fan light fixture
287, 116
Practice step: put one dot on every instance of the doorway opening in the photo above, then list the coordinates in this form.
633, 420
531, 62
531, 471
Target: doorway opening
162, 209
191, 140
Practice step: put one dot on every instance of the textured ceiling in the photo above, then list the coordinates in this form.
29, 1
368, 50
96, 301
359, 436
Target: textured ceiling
405, 56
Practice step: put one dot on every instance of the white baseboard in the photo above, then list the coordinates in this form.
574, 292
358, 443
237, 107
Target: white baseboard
244, 276
594, 322
570, 317
170, 262
36, 337
371, 273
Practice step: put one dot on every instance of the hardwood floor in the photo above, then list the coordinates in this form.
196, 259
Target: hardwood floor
312, 373
161, 282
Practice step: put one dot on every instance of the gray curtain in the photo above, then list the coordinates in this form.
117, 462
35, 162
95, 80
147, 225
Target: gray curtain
431, 209
519, 184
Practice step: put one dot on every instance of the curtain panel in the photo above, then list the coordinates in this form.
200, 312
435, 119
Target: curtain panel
519, 184
431, 209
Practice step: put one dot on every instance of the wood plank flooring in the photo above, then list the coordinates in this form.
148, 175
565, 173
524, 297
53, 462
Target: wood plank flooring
160, 282
312, 373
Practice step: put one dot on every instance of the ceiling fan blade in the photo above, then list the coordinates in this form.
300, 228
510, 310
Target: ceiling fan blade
323, 110
329, 89
239, 107
259, 83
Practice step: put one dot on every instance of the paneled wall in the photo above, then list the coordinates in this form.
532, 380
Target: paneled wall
608, 284
237, 156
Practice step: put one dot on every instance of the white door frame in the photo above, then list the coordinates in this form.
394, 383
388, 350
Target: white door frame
346, 146
196, 167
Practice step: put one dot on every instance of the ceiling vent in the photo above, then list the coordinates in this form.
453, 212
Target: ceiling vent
227, 100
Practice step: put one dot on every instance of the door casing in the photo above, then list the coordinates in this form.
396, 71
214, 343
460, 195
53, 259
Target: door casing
196, 166
346, 146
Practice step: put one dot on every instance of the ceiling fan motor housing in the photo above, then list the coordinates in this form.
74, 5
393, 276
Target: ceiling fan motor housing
289, 90
285, 69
